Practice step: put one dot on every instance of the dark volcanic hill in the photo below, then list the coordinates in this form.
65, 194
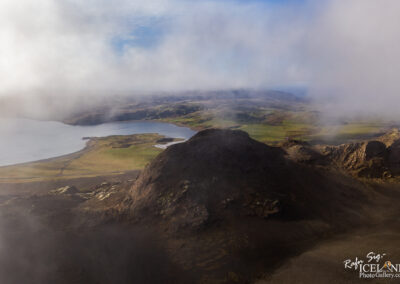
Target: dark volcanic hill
224, 173
215, 170
224, 202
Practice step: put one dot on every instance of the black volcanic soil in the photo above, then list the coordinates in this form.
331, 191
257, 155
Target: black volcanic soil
242, 204
219, 208
225, 173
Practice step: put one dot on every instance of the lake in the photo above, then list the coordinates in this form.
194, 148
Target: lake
25, 140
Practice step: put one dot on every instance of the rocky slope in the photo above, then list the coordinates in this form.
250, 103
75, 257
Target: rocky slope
219, 208
377, 158
226, 173
228, 207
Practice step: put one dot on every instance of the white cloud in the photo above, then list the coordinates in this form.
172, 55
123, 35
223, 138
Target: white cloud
344, 50
64, 47
353, 57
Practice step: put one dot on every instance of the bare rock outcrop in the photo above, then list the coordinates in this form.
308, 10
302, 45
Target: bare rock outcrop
378, 158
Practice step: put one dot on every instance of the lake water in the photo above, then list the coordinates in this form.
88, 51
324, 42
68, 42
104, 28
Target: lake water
25, 140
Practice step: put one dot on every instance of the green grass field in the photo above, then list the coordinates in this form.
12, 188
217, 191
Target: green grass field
103, 156
276, 126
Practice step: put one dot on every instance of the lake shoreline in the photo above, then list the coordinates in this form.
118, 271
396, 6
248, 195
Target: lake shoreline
79, 164
54, 139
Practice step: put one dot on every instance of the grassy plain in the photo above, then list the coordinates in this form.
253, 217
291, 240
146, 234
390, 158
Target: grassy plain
274, 126
102, 156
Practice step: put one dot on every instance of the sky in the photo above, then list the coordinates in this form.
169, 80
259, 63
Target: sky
123, 46
344, 52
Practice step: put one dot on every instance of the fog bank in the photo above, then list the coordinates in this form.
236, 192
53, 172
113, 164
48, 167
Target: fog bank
345, 52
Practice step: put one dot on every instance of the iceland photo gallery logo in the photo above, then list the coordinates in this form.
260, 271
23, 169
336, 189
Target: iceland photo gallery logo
374, 265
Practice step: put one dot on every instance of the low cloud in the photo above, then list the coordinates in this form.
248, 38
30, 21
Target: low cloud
345, 52
353, 57
75, 47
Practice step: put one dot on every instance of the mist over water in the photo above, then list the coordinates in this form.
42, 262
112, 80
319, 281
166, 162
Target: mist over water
25, 140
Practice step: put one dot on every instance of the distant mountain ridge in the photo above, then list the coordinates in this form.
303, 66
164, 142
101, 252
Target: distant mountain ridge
167, 105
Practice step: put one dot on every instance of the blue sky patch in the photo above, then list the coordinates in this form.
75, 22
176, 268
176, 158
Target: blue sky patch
146, 36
